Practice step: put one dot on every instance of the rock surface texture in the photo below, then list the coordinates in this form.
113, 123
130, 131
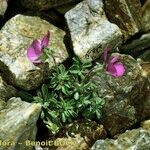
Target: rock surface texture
137, 139
44, 4
6, 91
146, 16
126, 98
18, 124
3, 7
126, 14
137, 45
15, 37
90, 30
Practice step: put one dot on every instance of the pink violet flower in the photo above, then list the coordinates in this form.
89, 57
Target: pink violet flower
36, 49
105, 54
113, 66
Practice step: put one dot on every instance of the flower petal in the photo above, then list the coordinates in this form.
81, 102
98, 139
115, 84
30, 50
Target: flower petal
45, 40
34, 51
105, 54
120, 69
114, 59
111, 69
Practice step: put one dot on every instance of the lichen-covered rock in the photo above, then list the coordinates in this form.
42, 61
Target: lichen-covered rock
3, 7
78, 135
76, 143
126, 14
6, 91
126, 98
15, 37
137, 139
137, 45
146, 16
146, 55
64, 8
89, 130
90, 30
146, 125
145, 69
44, 4
18, 124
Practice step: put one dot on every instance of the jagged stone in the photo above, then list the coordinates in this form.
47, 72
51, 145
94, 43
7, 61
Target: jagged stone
126, 14
146, 125
145, 56
3, 7
137, 45
44, 4
15, 37
90, 30
126, 98
6, 91
146, 16
18, 124
134, 139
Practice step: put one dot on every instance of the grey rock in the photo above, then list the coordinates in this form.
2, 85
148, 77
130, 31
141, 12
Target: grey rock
146, 125
137, 139
44, 4
90, 30
146, 16
3, 7
126, 14
18, 124
137, 45
15, 37
126, 98
64, 8
89, 130
146, 55
6, 91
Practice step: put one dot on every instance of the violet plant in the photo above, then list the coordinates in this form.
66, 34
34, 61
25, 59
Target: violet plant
68, 93
36, 49
113, 66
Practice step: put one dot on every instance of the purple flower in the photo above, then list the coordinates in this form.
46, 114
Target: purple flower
35, 50
105, 54
115, 68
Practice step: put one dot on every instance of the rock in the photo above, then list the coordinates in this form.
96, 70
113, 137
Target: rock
145, 56
78, 135
44, 4
145, 69
18, 124
6, 91
137, 45
126, 98
126, 14
64, 8
146, 125
77, 143
137, 139
89, 130
3, 7
14, 41
146, 16
90, 30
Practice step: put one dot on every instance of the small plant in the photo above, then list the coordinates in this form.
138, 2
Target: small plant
69, 94
113, 66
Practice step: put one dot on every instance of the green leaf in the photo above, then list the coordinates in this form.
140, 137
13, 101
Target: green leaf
54, 114
98, 114
63, 117
76, 96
